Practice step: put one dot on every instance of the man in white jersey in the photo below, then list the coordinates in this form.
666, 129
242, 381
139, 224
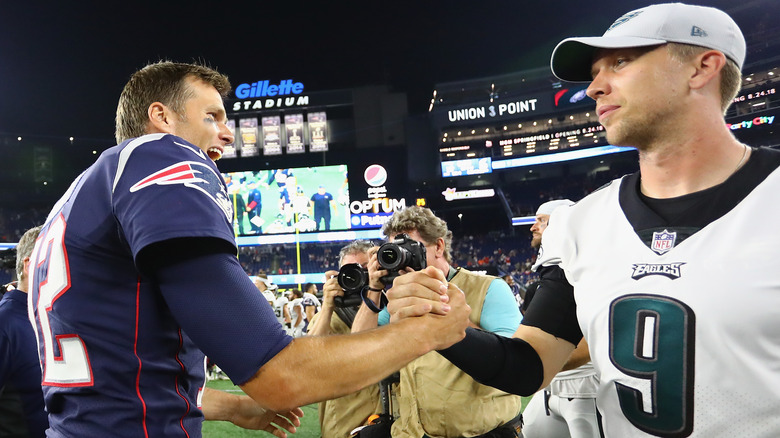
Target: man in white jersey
567, 407
637, 267
265, 286
297, 316
311, 304
282, 312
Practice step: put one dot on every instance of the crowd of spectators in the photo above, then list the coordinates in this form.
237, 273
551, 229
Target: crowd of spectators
282, 259
14, 222
497, 252
524, 197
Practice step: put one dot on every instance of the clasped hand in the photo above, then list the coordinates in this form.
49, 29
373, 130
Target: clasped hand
427, 292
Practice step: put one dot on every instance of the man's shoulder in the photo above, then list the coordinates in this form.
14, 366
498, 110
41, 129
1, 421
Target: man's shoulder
594, 202
160, 145
13, 301
487, 280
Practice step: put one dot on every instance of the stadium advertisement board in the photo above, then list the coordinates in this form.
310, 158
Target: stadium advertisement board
524, 106
376, 203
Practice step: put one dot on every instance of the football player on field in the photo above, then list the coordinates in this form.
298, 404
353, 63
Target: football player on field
135, 277
642, 267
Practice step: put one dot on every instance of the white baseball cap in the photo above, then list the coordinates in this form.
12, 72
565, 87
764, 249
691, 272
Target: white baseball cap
549, 206
649, 26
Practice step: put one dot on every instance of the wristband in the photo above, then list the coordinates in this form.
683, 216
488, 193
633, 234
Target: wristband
509, 364
369, 303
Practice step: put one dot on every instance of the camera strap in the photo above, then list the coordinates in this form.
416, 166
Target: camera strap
369, 303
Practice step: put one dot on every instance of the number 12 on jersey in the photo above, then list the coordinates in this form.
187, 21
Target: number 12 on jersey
49, 274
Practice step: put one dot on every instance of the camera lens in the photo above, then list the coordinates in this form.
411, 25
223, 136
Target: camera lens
391, 256
352, 277
350, 280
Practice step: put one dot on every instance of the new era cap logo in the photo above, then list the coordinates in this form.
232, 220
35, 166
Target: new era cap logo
698, 32
623, 19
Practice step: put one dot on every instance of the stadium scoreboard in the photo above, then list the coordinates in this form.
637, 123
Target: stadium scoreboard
281, 118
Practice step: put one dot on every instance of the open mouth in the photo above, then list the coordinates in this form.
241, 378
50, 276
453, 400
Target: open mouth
214, 153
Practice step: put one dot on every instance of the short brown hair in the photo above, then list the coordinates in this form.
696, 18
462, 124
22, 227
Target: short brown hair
730, 75
163, 82
425, 222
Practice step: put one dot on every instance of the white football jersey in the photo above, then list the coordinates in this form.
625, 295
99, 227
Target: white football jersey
683, 322
279, 308
296, 308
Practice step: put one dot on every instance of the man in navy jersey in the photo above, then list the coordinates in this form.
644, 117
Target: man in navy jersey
20, 373
641, 267
135, 277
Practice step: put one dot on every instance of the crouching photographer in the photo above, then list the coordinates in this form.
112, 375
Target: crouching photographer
338, 417
435, 398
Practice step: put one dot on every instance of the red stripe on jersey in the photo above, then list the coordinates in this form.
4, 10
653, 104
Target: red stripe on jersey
135, 351
187, 403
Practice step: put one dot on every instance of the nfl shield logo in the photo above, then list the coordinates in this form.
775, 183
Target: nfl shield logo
663, 242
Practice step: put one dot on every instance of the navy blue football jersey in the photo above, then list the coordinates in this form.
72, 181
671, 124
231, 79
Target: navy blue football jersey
115, 360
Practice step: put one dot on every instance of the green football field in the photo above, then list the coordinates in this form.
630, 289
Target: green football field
310, 426
277, 215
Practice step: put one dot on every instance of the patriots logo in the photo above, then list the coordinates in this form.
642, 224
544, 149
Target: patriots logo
663, 241
194, 175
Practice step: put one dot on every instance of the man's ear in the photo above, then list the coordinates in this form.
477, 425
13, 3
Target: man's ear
26, 266
707, 69
440, 247
160, 118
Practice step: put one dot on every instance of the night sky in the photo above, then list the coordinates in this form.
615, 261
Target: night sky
63, 64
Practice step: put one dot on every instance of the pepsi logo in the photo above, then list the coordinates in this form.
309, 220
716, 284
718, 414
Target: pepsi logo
375, 175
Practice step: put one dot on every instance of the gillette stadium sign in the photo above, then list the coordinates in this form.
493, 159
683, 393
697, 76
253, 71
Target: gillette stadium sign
375, 210
264, 94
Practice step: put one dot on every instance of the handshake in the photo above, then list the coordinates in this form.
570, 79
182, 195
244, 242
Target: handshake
442, 306
396, 257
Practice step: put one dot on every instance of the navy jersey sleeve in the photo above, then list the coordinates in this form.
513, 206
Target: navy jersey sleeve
166, 188
216, 304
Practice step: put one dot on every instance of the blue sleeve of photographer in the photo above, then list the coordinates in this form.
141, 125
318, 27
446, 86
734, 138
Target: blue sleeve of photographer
500, 314
383, 318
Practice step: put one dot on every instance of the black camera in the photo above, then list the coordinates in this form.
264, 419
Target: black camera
402, 252
352, 278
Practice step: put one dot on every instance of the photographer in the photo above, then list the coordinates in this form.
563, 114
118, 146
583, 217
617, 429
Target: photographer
452, 404
340, 416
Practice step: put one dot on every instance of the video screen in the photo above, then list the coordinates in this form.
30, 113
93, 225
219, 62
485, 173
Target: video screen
469, 166
280, 201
